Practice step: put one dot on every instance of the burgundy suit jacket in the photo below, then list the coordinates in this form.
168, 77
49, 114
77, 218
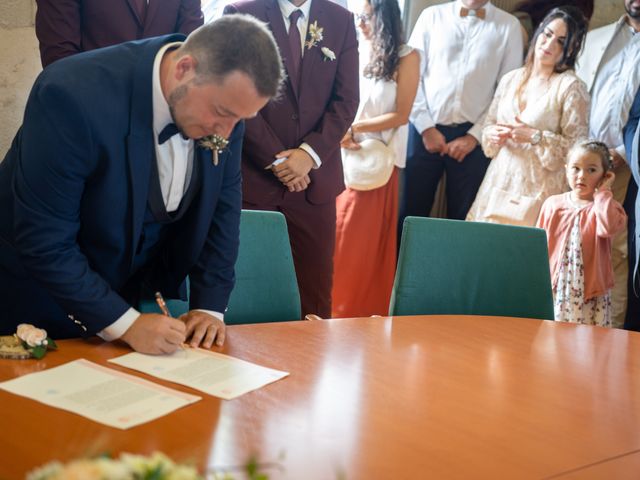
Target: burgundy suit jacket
319, 113
66, 27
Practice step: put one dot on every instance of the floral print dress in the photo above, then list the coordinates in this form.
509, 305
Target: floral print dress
569, 304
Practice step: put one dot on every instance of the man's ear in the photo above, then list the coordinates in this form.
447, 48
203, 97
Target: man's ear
185, 68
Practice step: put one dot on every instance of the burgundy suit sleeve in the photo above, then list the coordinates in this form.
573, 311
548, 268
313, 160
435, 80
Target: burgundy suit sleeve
58, 28
190, 16
261, 152
342, 108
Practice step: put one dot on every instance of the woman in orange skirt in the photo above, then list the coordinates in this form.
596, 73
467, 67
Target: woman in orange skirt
365, 254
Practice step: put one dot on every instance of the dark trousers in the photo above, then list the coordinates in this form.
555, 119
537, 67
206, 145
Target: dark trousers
312, 233
424, 170
632, 319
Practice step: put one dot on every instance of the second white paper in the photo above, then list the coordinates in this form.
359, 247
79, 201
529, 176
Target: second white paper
210, 372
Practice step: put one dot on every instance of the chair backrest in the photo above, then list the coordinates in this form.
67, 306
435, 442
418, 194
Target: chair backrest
456, 267
266, 287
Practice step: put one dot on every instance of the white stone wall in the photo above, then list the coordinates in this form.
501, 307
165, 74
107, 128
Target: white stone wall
19, 65
606, 11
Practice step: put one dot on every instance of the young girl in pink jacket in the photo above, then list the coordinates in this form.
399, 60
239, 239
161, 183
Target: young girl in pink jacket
580, 225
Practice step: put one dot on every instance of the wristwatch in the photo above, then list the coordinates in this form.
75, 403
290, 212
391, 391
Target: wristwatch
536, 137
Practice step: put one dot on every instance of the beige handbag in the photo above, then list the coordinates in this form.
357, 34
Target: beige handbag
369, 167
512, 209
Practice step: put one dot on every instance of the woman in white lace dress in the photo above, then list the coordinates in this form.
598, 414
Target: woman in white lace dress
365, 254
537, 113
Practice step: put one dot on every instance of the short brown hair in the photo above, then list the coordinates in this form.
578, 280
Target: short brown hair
237, 43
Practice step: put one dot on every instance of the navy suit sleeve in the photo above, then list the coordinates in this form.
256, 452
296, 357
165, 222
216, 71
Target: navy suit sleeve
632, 123
56, 161
58, 28
213, 277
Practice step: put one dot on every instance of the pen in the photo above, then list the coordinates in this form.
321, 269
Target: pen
165, 311
162, 304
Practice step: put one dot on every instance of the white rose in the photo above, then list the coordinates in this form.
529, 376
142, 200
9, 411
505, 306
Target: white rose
35, 337
23, 329
328, 53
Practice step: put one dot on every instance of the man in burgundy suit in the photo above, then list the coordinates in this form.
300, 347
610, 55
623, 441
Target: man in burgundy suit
291, 155
66, 27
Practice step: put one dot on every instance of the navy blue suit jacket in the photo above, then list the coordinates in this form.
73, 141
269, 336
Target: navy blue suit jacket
74, 188
631, 142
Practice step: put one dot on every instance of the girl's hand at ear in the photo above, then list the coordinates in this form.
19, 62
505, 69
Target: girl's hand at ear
607, 181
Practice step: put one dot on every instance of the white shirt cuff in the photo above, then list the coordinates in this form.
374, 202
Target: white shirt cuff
476, 132
316, 159
117, 328
622, 152
422, 122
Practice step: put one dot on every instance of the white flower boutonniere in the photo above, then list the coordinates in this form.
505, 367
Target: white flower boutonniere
215, 143
314, 36
328, 54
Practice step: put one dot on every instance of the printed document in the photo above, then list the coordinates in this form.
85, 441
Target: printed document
210, 372
99, 393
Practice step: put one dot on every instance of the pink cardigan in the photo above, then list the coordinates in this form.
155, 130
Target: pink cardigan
599, 221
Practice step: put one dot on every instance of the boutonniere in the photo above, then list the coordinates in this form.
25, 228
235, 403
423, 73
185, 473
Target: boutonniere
314, 35
328, 54
215, 143
35, 340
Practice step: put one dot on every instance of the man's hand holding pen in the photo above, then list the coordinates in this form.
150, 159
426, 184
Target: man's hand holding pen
155, 333
161, 333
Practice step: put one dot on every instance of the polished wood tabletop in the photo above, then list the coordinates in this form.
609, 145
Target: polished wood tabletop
438, 397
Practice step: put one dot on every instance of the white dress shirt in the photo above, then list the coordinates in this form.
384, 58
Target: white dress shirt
286, 8
175, 164
463, 59
615, 86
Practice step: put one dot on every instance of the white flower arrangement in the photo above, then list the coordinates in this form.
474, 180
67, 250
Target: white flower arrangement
35, 340
157, 466
127, 467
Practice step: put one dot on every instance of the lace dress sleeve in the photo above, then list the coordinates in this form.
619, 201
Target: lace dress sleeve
490, 149
574, 104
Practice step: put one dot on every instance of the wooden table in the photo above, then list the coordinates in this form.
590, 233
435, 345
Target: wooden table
442, 397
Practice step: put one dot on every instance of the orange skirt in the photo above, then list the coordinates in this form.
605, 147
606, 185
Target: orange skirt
364, 262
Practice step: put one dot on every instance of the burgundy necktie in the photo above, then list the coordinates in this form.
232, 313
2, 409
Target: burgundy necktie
295, 44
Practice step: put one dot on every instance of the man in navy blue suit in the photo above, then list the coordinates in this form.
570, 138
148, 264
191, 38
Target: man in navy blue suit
106, 192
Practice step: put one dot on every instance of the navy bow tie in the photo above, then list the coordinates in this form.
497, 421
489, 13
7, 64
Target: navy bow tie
168, 132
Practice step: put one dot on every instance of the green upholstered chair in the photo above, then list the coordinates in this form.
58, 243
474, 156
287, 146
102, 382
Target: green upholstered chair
456, 267
266, 288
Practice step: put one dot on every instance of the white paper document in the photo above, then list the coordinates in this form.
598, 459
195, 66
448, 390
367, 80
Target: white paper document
210, 372
99, 393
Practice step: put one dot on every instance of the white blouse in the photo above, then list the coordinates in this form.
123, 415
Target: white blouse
378, 97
